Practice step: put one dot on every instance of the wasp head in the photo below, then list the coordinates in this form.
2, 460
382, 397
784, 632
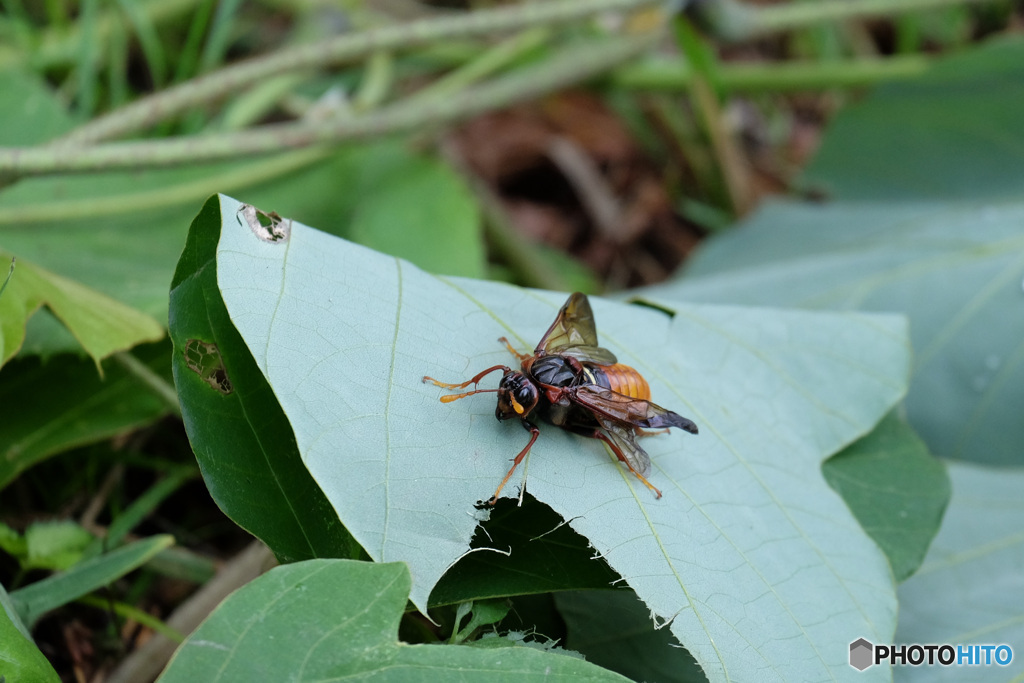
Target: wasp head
517, 396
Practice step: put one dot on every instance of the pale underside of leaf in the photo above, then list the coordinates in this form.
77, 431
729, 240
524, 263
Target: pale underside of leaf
760, 567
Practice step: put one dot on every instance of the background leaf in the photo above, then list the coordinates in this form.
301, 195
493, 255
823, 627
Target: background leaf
774, 393
956, 271
40, 422
533, 552
280, 627
953, 133
20, 659
970, 588
54, 544
30, 113
429, 196
40, 597
614, 629
895, 488
100, 324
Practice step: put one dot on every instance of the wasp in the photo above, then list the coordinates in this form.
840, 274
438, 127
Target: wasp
575, 384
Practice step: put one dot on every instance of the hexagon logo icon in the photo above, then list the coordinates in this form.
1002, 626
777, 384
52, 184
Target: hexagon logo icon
861, 652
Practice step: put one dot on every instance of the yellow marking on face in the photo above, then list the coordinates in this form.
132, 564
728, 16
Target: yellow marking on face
515, 405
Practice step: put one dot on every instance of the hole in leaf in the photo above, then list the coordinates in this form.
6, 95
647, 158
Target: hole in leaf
203, 358
269, 227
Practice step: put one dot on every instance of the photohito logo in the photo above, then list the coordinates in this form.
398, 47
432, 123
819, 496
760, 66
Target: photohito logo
863, 654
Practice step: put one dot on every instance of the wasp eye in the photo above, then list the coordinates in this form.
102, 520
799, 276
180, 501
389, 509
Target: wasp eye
525, 394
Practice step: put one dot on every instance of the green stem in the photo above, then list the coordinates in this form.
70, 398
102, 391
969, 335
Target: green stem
140, 508
378, 79
734, 20
161, 106
172, 194
674, 74
128, 612
490, 62
572, 66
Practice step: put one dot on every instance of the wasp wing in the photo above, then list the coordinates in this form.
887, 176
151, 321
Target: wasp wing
574, 334
589, 354
637, 412
624, 439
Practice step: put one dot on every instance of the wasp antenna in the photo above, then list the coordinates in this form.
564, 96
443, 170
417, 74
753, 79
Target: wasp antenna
473, 380
455, 397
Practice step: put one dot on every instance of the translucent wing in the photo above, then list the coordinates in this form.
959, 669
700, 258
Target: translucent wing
609, 405
623, 438
573, 333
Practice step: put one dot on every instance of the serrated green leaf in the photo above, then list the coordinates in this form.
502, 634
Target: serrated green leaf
20, 659
953, 133
100, 324
895, 488
280, 627
969, 589
344, 335
956, 270
36, 599
40, 422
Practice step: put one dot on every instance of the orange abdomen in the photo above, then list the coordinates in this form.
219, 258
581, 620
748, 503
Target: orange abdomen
621, 379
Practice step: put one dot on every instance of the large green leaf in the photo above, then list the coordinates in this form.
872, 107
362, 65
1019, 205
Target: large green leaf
228, 408
970, 588
282, 626
748, 545
953, 133
956, 271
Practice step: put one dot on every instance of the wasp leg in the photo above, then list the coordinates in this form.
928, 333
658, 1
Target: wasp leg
598, 434
520, 356
534, 432
463, 385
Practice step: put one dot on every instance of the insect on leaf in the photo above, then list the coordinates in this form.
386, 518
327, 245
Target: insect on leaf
757, 564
